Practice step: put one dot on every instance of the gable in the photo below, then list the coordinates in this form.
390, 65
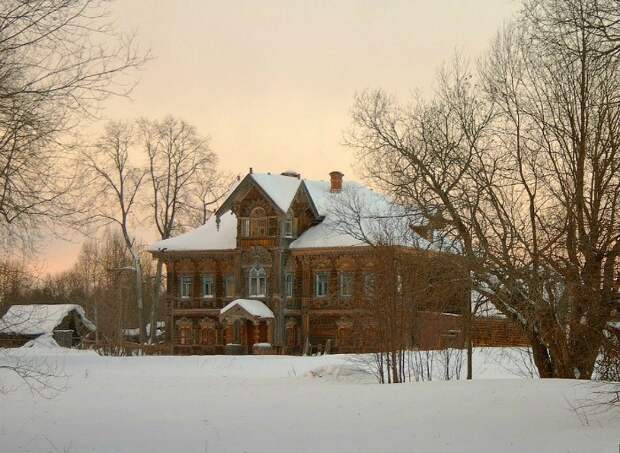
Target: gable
278, 190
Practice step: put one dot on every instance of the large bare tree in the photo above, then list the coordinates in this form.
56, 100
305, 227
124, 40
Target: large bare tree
521, 160
116, 184
58, 60
179, 165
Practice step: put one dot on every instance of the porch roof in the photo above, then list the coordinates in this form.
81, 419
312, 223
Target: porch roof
247, 308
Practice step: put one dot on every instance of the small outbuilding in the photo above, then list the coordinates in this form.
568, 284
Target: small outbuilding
65, 323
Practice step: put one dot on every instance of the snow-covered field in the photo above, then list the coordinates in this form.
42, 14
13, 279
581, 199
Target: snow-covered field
293, 404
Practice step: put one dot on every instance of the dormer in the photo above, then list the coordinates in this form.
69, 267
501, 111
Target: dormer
267, 208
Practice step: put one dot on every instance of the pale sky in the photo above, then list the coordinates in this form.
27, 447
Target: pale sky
272, 82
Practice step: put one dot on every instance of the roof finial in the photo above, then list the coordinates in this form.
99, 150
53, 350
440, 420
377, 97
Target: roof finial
251, 170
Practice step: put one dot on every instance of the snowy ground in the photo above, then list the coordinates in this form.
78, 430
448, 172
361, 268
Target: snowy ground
294, 404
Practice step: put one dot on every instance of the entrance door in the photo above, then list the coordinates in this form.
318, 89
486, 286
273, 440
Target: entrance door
249, 329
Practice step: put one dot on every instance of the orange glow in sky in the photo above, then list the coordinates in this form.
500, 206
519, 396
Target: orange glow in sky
272, 82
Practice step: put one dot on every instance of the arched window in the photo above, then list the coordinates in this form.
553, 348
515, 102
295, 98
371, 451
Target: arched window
258, 282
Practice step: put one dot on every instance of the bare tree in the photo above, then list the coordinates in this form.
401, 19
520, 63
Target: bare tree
521, 161
211, 188
58, 60
116, 184
180, 162
412, 271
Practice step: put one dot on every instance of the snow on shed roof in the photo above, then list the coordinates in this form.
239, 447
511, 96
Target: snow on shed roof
205, 237
39, 319
254, 307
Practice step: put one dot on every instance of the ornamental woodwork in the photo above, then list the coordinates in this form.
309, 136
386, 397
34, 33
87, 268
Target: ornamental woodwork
256, 256
333, 317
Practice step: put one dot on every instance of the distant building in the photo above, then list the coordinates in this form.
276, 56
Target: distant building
65, 323
270, 273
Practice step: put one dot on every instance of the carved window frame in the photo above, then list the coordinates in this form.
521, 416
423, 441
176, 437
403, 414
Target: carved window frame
208, 293
257, 282
183, 281
321, 284
229, 286
288, 285
347, 282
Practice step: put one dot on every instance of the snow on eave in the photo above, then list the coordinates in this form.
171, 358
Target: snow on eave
209, 237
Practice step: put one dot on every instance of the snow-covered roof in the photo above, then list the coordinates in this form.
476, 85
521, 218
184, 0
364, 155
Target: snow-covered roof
255, 308
354, 212
281, 189
39, 319
205, 237
380, 217
482, 307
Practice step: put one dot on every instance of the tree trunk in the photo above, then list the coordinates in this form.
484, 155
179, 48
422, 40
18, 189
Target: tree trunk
139, 300
155, 303
468, 340
97, 325
541, 357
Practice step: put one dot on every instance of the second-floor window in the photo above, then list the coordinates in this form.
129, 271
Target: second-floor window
186, 287
346, 284
208, 286
257, 282
369, 284
320, 284
229, 286
288, 284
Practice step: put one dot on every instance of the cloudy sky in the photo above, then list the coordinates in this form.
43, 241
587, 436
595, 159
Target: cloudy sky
272, 81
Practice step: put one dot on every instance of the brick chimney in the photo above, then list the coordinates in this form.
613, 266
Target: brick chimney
335, 178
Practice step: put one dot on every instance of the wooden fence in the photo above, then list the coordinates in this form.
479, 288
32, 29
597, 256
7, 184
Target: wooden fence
127, 348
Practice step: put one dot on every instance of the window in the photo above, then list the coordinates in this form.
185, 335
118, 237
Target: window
288, 226
399, 284
346, 284
258, 282
259, 228
288, 284
185, 334
273, 226
320, 288
186, 287
208, 286
259, 222
229, 286
369, 285
245, 228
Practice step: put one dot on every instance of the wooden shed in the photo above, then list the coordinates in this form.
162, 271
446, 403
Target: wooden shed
65, 323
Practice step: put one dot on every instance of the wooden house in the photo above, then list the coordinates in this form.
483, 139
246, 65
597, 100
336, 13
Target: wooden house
271, 271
